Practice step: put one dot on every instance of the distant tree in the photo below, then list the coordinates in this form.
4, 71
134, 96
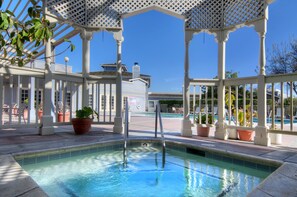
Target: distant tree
283, 59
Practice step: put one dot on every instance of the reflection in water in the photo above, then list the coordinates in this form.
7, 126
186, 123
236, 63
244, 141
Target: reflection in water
102, 174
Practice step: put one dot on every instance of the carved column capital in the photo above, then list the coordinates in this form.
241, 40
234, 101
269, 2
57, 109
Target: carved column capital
86, 35
118, 36
261, 27
188, 36
222, 36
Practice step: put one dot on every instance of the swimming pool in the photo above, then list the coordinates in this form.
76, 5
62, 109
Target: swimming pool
100, 172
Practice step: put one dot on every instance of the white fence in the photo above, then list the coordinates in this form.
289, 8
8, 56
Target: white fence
241, 102
22, 92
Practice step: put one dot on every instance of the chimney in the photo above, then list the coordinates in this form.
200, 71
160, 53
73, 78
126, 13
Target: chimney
135, 71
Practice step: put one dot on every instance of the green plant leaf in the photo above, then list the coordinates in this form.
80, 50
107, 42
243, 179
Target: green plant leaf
66, 40
72, 46
9, 12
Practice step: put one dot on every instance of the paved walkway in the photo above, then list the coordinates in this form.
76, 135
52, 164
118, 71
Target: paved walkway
19, 141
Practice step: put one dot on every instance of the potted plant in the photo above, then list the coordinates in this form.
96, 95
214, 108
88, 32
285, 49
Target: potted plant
40, 111
82, 122
26, 111
245, 134
205, 124
60, 115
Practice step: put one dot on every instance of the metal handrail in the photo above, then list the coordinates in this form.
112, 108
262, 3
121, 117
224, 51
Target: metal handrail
126, 130
158, 113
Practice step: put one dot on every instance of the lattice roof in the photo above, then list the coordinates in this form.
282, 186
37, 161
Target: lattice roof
198, 14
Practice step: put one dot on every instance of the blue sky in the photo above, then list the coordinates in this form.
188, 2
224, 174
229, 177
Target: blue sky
156, 41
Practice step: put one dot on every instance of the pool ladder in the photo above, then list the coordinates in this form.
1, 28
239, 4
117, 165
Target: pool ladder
126, 132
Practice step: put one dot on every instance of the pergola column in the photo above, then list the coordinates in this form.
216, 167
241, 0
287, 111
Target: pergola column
47, 127
221, 38
86, 38
186, 124
262, 136
118, 120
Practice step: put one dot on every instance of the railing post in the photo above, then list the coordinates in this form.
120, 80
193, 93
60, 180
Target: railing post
156, 121
221, 132
262, 136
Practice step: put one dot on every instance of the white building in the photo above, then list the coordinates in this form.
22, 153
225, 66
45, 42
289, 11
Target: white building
134, 87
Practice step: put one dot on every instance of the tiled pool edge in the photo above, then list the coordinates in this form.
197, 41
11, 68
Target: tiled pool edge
281, 182
177, 144
15, 181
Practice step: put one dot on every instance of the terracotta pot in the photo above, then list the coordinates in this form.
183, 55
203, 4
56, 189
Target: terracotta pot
245, 135
40, 113
26, 114
81, 125
203, 131
61, 117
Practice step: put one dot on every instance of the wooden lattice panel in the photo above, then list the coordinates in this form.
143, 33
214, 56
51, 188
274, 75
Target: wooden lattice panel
239, 11
199, 14
72, 10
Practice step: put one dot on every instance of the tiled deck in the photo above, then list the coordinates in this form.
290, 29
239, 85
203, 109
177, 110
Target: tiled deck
283, 182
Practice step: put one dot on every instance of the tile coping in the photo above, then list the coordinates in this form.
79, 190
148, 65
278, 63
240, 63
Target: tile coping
225, 153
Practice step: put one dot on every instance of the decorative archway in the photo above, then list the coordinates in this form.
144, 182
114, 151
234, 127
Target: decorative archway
219, 17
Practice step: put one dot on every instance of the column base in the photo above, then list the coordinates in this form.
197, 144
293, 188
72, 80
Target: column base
276, 138
47, 126
118, 125
186, 128
262, 137
221, 131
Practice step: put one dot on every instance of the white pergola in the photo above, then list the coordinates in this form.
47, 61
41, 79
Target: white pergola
218, 17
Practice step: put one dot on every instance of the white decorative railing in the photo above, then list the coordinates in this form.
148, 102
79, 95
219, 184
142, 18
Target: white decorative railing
22, 92
282, 116
243, 91
241, 100
207, 99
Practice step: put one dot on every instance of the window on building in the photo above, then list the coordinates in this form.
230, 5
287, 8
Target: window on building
91, 100
39, 96
103, 97
124, 101
112, 102
68, 98
67, 101
24, 95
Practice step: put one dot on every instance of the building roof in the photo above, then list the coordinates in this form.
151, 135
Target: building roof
114, 65
126, 75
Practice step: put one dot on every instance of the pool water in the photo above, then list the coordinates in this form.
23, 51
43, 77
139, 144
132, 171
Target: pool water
103, 174
179, 116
